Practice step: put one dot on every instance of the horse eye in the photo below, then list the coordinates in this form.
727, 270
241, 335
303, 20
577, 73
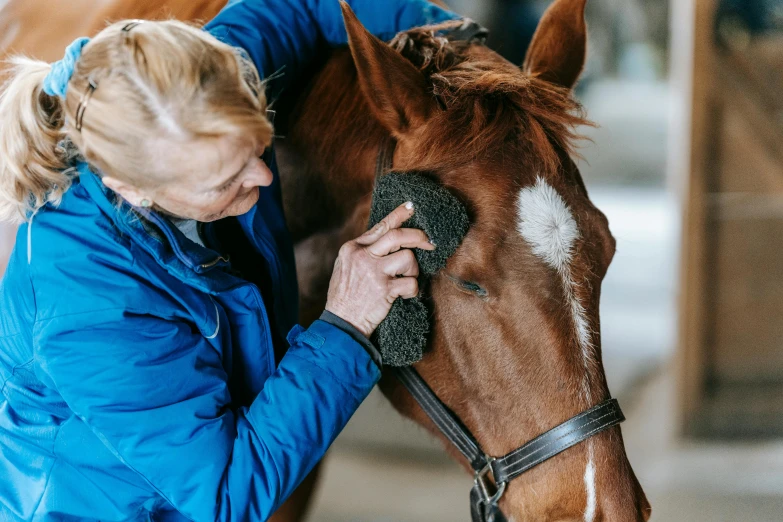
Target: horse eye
475, 288
469, 286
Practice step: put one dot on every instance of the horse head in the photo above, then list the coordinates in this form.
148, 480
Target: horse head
515, 342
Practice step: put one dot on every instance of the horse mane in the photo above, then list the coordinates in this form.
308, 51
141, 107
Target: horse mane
491, 104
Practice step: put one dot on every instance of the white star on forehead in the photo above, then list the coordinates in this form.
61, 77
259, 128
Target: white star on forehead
546, 223
549, 227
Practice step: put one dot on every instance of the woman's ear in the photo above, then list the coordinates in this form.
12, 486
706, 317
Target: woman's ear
558, 50
127, 192
396, 91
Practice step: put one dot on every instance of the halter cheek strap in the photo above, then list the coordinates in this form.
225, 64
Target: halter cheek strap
487, 491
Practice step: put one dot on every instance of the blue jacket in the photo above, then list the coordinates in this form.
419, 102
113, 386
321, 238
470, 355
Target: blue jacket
138, 370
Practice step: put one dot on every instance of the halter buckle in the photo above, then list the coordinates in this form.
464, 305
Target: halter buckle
485, 487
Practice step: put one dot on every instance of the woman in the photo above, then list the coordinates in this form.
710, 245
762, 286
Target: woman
142, 373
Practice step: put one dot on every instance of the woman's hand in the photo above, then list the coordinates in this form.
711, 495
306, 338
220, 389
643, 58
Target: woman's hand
374, 270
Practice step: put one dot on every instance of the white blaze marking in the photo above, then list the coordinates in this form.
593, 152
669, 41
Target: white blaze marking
547, 224
590, 487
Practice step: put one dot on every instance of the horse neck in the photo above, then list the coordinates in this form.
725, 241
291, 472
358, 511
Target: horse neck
156, 10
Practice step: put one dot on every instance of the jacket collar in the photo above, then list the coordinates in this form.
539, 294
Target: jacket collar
193, 264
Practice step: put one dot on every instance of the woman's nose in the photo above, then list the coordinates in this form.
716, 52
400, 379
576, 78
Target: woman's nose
259, 176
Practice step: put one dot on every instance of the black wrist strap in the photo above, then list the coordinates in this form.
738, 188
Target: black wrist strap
342, 324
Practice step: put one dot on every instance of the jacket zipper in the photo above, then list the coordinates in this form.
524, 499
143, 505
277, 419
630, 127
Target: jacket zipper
226, 259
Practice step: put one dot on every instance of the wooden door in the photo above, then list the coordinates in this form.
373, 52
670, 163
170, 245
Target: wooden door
732, 305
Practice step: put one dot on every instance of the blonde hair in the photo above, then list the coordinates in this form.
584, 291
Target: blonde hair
159, 80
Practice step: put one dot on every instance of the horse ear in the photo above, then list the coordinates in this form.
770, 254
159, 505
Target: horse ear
395, 90
559, 47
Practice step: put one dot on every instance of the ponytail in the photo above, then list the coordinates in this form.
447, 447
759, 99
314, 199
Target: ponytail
33, 170
159, 81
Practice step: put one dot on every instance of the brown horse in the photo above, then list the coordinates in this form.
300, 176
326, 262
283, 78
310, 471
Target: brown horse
515, 348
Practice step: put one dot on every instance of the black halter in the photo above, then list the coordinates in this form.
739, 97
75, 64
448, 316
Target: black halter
492, 474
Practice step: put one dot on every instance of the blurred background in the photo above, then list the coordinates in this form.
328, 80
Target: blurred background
687, 162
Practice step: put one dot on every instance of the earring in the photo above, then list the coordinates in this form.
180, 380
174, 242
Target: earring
146, 203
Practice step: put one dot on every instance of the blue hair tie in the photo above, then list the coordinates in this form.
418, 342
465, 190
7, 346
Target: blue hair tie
56, 82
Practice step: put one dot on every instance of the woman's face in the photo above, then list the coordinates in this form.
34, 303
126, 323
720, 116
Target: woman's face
214, 178
207, 179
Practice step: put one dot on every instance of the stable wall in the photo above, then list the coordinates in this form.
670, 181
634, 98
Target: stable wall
732, 270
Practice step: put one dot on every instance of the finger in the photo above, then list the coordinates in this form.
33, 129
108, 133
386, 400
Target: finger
394, 220
405, 287
402, 263
399, 238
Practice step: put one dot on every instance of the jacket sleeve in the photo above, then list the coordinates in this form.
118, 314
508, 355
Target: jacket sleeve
156, 395
285, 34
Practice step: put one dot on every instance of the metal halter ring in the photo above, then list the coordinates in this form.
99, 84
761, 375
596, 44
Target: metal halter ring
83, 103
481, 481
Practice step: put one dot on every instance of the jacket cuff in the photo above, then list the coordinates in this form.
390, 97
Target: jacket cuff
345, 326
